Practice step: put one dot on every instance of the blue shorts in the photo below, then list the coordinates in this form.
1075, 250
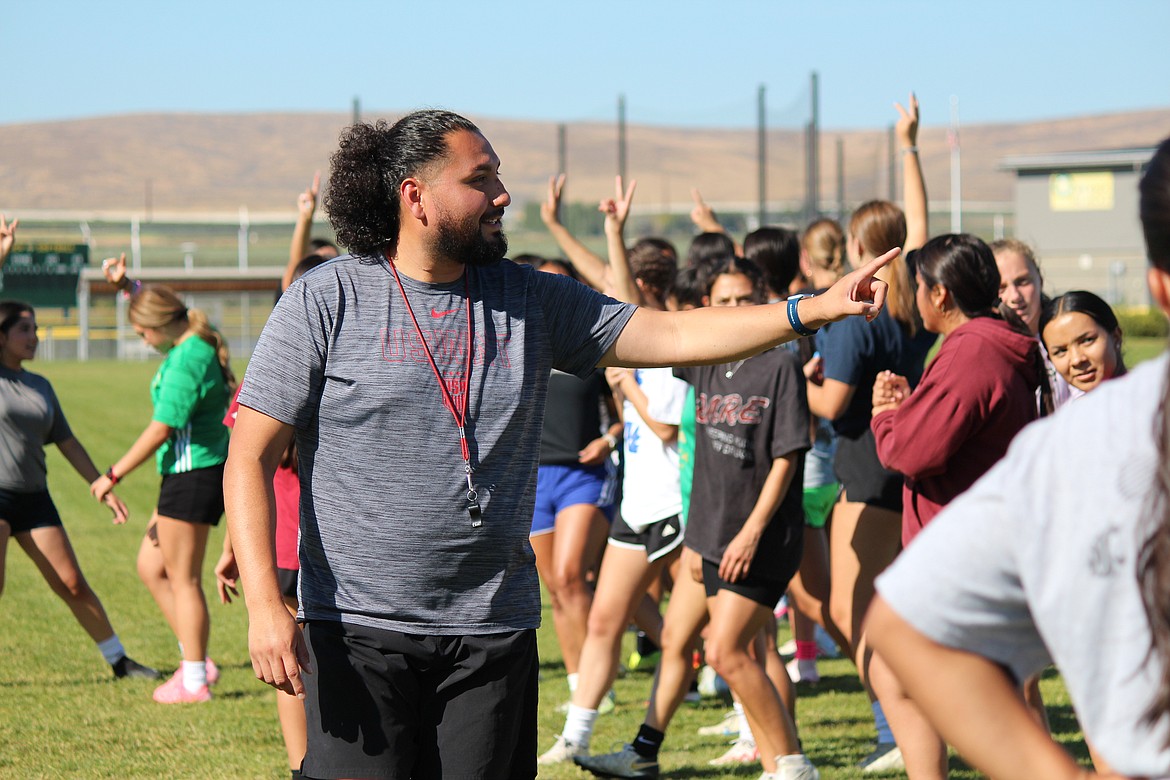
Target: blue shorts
558, 487
26, 511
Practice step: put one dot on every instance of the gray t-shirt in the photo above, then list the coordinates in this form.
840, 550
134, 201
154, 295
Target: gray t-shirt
30, 418
1037, 562
386, 538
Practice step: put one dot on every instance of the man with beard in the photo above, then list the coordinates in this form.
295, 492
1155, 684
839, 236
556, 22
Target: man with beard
413, 374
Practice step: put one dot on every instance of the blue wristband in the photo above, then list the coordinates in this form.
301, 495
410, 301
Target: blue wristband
794, 317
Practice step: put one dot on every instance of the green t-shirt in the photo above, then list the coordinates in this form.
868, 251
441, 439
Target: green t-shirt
190, 395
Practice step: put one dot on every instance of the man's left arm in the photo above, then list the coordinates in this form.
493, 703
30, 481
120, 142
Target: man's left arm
710, 335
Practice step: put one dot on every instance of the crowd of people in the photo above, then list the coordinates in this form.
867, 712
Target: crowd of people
755, 426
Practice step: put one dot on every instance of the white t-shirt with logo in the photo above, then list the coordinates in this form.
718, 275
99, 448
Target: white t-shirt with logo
650, 487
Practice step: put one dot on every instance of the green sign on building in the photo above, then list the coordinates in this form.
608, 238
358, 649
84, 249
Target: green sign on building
44, 274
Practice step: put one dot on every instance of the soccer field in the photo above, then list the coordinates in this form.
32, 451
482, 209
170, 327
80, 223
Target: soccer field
64, 715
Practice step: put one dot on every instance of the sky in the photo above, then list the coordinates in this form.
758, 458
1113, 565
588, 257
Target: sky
677, 62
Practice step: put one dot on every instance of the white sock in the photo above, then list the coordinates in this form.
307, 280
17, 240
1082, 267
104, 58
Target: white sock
111, 649
572, 678
579, 725
745, 729
194, 675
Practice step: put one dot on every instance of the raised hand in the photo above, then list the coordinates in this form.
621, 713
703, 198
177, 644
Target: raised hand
307, 200
702, 214
617, 208
855, 293
114, 269
7, 237
550, 209
906, 128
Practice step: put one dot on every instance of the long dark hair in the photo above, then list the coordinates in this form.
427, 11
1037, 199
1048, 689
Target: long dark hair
1154, 558
966, 267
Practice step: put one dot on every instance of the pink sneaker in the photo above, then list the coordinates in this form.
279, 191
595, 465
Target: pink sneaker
173, 692
212, 671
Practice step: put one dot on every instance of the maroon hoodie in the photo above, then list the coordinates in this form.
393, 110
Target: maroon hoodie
975, 396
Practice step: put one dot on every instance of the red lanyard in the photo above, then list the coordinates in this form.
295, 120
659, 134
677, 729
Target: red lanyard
459, 415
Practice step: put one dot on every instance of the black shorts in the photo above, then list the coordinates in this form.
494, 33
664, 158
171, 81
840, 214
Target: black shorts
766, 580
26, 511
383, 704
193, 496
287, 579
657, 539
865, 479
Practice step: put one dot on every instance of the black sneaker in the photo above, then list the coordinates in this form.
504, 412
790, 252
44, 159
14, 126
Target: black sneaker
128, 667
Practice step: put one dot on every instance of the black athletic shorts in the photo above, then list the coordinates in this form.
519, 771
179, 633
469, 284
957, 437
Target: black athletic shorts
865, 479
383, 704
193, 496
766, 580
657, 539
26, 511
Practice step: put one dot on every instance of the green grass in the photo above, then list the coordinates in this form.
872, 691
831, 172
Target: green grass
63, 714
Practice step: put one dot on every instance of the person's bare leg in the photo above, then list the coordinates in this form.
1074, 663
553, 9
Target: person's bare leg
767, 655
183, 545
864, 541
808, 592
571, 540
686, 614
735, 622
922, 748
152, 571
5, 533
53, 555
625, 575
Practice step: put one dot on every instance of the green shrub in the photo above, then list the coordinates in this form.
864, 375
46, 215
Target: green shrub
1142, 321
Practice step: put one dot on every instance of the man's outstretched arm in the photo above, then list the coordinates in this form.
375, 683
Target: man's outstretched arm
712, 335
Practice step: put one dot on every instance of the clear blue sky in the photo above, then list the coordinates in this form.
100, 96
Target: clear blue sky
676, 61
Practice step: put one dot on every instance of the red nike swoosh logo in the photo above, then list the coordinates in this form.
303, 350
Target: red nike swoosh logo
436, 313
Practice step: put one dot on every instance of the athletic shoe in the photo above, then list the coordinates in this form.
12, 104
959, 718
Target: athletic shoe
562, 752
727, 727
803, 671
173, 692
128, 667
625, 763
794, 767
788, 649
711, 684
886, 757
212, 671
781, 608
742, 751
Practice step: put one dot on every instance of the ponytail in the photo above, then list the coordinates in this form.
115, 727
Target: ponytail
199, 325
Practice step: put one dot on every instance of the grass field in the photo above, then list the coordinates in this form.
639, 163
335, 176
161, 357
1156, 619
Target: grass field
63, 715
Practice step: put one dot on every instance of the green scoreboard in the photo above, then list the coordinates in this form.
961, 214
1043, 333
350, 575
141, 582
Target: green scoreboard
44, 274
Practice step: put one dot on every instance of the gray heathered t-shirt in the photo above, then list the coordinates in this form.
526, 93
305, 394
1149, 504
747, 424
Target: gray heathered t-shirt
30, 418
386, 539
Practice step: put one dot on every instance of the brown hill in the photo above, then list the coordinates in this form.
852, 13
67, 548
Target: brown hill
198, 162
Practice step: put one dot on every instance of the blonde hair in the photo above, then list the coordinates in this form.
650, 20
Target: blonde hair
155, 306
879, 226
824, 244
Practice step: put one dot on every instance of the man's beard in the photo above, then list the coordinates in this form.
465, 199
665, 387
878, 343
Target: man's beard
467, 244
